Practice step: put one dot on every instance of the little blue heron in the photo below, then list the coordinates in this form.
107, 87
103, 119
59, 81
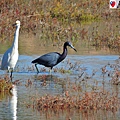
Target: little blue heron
53, 58
10, 57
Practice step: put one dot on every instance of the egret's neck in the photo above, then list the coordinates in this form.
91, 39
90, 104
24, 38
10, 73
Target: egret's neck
15, 42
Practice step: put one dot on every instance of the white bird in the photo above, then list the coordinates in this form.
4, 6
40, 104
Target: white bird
10, 57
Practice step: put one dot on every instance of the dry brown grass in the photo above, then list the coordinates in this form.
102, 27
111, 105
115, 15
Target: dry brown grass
58, 20
5, 85
101, 100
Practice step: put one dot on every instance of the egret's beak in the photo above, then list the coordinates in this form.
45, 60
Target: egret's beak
73, 48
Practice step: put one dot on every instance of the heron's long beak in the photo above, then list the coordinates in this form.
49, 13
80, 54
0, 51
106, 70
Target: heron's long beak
73, 48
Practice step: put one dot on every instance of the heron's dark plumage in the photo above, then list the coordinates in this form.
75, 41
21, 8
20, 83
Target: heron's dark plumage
53, 58
48, 60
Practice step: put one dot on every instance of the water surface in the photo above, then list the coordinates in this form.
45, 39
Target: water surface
14, 106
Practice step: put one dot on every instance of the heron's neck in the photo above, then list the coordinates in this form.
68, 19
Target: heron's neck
64, 54
15, 42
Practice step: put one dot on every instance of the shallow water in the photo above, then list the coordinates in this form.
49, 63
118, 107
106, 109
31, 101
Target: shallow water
14, 107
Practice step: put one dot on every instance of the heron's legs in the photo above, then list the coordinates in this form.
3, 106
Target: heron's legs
50, 74
50, 71
36, 68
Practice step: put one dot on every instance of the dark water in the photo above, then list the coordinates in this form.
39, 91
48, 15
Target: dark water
14, 107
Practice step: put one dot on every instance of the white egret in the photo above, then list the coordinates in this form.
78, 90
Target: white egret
10, 57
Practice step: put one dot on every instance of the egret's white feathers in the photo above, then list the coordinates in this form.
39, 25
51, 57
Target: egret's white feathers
10, 57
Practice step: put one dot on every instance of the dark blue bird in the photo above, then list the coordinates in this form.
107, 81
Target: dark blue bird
53, 58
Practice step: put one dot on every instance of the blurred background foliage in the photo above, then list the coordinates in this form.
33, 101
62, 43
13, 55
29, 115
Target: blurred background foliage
60, 20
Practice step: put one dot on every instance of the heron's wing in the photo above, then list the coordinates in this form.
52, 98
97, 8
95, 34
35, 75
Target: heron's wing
5, 59
49, 59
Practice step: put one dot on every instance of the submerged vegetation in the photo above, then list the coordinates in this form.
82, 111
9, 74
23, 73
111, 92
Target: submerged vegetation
60, 20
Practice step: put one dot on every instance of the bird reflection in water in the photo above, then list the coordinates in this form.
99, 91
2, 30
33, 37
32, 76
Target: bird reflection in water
13, 103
